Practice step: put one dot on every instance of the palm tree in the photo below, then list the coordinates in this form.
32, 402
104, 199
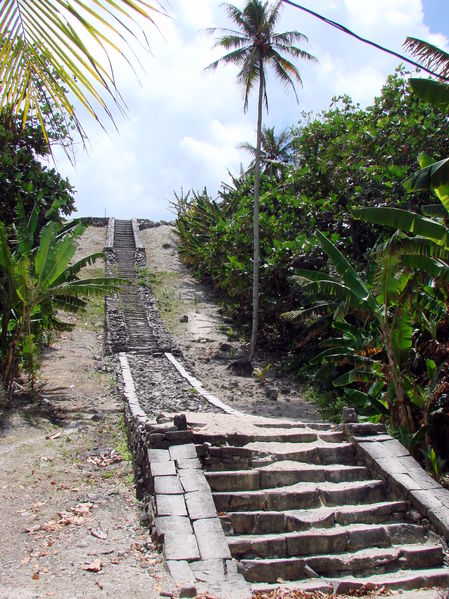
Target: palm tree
48, 49
253, 47
274, 151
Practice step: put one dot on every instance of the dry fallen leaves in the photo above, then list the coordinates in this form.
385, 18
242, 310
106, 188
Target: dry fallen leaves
94, 566
76, 516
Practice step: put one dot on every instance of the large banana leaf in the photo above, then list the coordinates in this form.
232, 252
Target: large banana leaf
434, 92
435, 175
352, 280
52, 48
405, 220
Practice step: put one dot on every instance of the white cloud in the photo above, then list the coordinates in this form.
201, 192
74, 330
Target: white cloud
186, 124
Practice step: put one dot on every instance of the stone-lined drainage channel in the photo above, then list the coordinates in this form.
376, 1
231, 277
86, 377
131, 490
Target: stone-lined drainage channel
297, 505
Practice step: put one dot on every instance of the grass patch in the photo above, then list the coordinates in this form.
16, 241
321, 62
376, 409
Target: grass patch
165, 286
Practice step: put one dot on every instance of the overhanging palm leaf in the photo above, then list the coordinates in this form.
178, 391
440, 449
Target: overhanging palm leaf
429, 56
44, 53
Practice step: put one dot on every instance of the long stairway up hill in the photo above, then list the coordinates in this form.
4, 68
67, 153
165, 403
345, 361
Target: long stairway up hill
243, 505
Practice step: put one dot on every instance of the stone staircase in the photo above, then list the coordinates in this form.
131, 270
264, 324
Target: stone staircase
298, 504
134, 311
300, 512
146, 333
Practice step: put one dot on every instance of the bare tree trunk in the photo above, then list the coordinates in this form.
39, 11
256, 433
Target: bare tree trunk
255, 321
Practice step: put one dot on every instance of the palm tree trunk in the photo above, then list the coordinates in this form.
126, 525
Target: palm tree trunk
255, 321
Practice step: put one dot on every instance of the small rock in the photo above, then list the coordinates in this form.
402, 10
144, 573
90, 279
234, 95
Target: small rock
241, 367
184, 318
272, 394
180, 421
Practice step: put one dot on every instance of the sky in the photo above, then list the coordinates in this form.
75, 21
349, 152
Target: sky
184, 124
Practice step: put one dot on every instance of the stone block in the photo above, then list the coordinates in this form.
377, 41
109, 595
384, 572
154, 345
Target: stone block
193, 480
158, 455
442, 495
182, 452
424, 500
311, 543
209, 570
170, 505
180, 547
167, 485
163, 468
440, 519
402, 465
175, 524
211, 539
384, 449
181, 573
179, 436
189, 464
200, 504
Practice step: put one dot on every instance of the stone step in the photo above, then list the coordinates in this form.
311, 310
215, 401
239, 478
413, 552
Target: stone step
281, 474
361, 563
316, 452
338, 539
300, 496
402, 579
279, 435
261, 522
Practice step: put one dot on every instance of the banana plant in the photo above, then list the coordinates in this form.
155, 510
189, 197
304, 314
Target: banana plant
359, 349
385, 305
433, 174
36, 281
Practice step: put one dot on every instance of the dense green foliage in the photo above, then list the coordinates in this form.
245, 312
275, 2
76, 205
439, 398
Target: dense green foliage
23, 175
344, 158
37, 279
370, 309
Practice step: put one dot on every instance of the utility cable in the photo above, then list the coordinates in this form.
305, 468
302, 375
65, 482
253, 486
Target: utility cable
364, 40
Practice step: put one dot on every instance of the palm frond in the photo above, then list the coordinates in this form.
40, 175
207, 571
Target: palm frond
43, 55
429, 55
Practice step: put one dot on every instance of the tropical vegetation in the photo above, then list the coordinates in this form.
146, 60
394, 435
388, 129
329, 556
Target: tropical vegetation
354, 262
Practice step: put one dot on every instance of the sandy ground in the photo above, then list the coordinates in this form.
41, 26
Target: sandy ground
69, 521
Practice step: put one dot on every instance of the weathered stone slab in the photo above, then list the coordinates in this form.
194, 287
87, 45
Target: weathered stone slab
181, 572
179, 436
193, 480
440, 519
424, 500
200, 504
188, 464
240, 480
163, 468
211, 539
167, 485
442, 495
158, 455
180, 546
170, 505
384, 449
183, 452
175, 524
209, 570
400, 465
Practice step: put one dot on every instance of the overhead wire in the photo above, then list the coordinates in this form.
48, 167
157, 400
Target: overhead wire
347, 31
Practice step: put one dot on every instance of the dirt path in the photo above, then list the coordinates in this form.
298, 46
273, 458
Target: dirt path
209, 341
69, 521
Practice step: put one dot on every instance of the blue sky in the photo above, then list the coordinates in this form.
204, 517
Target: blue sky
184, 125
